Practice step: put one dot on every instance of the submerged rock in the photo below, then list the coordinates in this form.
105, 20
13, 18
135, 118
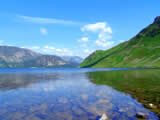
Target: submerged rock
104, 117
141, 115
152, 106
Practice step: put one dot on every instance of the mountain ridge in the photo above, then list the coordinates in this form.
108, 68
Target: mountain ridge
140, 51
15, 57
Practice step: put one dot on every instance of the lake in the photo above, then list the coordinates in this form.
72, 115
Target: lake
77, 94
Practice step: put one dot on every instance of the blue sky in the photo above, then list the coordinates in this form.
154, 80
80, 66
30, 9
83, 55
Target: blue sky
73, 27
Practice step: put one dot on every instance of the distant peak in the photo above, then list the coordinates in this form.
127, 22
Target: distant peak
157, 20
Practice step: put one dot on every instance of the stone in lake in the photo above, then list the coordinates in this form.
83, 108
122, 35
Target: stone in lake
104, 117
141, 115
152, 106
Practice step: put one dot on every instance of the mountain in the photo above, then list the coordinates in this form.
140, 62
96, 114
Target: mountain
143, 50
47, 61
20, 57
73, 59
15, 54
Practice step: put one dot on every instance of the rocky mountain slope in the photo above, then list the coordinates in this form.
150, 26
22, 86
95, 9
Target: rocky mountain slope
143, 50
19, 57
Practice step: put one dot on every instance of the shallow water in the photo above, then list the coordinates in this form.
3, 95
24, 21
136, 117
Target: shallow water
62, 94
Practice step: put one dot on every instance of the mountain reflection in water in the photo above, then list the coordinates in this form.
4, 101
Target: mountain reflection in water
67, 94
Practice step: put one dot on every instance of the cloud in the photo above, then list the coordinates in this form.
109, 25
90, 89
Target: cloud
43, 31
104, 34
50, 50
83, 39
47, 47
40, 20
98, 27
82, 52
35, 48
56, 51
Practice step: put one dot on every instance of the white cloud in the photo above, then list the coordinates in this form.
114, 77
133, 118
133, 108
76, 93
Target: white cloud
56, 51
47, 47
82, 52
83, 39
43, 31
35, 48
40, 20
104, 34
51, 50
98, 27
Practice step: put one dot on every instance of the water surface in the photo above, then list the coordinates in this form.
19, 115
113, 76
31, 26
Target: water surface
63, 94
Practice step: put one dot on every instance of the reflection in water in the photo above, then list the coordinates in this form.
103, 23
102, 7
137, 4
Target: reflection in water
13, 81
62, 96
143, 84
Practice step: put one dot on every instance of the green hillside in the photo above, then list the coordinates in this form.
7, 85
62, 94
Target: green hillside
143, 50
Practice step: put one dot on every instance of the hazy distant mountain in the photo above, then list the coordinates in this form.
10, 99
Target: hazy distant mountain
14, 54
143, 50
73, 59
47, 61
19, 57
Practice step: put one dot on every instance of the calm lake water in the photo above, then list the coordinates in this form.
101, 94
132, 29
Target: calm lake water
63, 94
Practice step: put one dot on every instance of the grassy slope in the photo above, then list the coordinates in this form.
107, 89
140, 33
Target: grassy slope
141, 51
